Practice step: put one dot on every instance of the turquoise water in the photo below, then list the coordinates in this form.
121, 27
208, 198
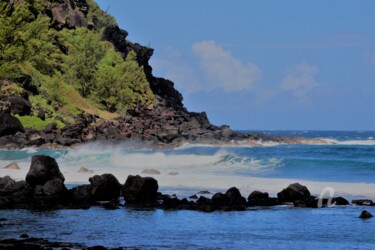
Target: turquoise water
348, 167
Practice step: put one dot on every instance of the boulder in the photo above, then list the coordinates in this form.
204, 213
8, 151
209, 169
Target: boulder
18, 105
104, 188
43, 168
235, 199
294, 192
219, 200
81, 196
54, 187
139, 189
340, 201
10, 125
257, 198
365, 215
257, 195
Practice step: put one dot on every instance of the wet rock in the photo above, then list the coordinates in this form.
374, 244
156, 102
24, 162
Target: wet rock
364, 202
236, 201
257, 198
294, 192
138, 190
151, 172
54, 187
104, 187
194, 197
81, 196
365, 215
16, 195
204, 192
43, 168
10, 125
219, 200
24, 236
340, 201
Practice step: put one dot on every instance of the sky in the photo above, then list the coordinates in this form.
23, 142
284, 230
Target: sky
262, 65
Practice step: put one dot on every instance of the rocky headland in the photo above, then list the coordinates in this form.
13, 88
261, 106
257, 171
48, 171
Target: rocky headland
164, 121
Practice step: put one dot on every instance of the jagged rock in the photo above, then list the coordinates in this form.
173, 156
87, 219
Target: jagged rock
365, 215
151, 172
43, 168
12, 165
139, 189
9, 125
294, 192
18, 105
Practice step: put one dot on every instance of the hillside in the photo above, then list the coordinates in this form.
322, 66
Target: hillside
68, 75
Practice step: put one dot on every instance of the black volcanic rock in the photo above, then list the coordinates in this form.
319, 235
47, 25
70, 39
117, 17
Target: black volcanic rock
18, 105
365, 215
43, 169
294, 192
9, 125
138, 190
104, 187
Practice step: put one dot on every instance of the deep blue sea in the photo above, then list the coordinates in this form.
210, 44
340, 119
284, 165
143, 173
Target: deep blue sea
344, 167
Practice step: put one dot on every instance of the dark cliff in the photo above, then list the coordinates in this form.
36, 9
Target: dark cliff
161, 118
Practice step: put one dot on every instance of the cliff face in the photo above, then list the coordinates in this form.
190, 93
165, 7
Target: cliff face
165, 120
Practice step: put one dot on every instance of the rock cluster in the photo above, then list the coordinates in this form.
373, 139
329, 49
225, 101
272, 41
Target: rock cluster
44, 189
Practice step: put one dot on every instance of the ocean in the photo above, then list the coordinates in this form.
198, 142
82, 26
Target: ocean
344, 168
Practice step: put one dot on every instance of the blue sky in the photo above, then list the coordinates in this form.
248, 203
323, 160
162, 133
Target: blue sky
307, 65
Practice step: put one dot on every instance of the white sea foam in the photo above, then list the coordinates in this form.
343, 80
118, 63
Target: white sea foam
369, 142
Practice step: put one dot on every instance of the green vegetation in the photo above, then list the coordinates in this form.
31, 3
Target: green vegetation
88, 76
38, 124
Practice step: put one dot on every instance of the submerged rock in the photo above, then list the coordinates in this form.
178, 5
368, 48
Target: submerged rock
365, 215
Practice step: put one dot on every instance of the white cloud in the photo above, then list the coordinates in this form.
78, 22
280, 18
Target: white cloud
222, 69
174, 68
300, 79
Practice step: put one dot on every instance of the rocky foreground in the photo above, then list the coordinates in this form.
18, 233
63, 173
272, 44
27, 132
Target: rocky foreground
44, 189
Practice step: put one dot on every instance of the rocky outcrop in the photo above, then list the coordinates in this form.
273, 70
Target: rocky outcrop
18, 104
9, 125
43, 169
70, 14
257, 198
